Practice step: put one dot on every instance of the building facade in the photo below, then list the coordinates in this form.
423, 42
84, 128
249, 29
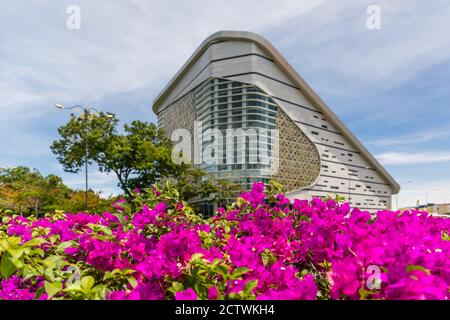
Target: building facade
251, 117
439, 209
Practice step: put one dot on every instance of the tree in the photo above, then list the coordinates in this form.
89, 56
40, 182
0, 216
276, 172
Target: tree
195, 184
139, 157
24, 190
76, 202
27, 191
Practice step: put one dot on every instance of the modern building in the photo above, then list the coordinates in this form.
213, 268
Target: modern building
238, 82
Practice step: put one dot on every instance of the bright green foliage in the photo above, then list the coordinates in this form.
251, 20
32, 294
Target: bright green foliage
28, 192
139, 156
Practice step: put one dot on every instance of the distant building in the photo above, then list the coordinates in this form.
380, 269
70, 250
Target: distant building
442, 209
238, 80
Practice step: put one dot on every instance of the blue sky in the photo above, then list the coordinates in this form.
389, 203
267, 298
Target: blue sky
390, 86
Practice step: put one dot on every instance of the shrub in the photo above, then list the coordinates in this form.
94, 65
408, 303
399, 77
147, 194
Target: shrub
261, 247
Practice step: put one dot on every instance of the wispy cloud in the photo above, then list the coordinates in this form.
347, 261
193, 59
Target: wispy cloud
126, 51
366, 59
404, 158
413, 138
102, 182
119, 48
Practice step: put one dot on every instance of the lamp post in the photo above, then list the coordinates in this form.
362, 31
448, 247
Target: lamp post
86, 111
396, 196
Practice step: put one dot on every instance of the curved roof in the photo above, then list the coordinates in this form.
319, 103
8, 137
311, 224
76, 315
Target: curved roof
294, 77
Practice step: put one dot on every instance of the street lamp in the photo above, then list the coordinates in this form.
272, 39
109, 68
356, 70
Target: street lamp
86, 111
396, 196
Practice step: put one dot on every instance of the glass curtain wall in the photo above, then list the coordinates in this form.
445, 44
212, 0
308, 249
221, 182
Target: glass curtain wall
236, 126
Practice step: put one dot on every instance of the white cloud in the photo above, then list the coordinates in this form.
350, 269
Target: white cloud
99, 181
120, 47
335, 45
20, 141
130, 45
413, 138
134, 45
404, 158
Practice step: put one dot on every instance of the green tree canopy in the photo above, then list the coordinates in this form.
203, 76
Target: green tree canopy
24, 190
27, 191
139, 156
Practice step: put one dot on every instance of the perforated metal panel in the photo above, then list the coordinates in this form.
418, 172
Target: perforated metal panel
299, 164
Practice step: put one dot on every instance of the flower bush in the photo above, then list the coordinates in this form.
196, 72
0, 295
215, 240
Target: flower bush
263, 246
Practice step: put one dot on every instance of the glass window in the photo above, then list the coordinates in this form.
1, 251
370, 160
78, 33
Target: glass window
250, 108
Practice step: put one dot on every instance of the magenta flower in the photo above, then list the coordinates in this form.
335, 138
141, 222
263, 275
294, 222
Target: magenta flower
188, 294
116, 205
213, 293
294, 250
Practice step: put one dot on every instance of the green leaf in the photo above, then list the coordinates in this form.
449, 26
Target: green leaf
417, 268
7, 267
17, 253
196, 256
304, 272
53, 261
177, 287
39, 292
120, 217
234, 296
34, 242
100, 228
222, 270
65, 245
238, 272
52, 288
38, 252
445, 236
249, 286
132, 281
268, 257
363, 293
87, 282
